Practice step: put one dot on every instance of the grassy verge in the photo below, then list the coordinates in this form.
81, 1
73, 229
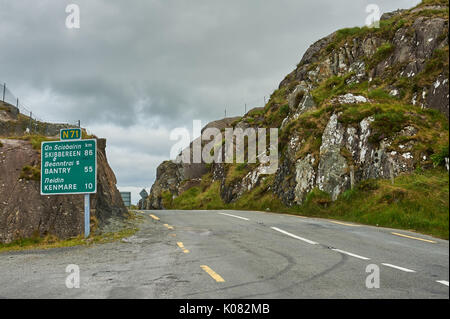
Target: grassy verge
49, 242
417, 202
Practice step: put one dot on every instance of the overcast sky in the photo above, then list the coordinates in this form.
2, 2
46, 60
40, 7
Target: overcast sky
137, 69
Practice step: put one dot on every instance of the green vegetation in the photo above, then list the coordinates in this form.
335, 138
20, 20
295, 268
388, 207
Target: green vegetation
416, 201
331, 87
439, 63
309, 127
194, 198
260, 198
379, 94
50, 241
283, 111
31, 173
35, 140
438, 158
386, 124
390, 118
344, 34
256, 112
277, 108
382, 53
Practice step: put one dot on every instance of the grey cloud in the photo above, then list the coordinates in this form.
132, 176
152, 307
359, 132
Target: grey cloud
160, 63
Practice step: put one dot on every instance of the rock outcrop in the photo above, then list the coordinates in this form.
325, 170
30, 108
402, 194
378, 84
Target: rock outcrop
171, 174
25, 213
362, 103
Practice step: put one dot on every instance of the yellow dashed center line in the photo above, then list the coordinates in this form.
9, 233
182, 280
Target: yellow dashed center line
180, 244
212, 273
154, 217
168, 226
416, 238
341, 223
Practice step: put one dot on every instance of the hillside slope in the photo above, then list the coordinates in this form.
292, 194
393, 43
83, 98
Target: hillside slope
363, 105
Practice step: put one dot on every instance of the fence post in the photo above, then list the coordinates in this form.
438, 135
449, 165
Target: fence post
4, 91
352, 177
391, 171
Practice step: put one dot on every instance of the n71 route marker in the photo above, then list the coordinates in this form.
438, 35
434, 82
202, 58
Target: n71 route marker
70, 134
69, 168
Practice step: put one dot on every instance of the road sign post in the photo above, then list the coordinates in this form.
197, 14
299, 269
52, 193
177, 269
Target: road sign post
69, 167
87, 215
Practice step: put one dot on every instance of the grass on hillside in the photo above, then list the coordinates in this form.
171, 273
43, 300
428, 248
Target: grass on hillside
418, 202
35, 140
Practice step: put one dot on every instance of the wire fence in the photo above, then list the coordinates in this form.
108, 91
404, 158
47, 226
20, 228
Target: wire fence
36, 124
39, 124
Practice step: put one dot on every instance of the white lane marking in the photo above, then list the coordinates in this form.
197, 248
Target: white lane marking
399, 268
234, 216
444, 282
350, 254
294, 236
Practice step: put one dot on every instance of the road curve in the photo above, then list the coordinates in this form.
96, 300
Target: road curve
238, 254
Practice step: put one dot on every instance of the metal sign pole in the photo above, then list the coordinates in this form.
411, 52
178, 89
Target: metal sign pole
87, 215
72, 174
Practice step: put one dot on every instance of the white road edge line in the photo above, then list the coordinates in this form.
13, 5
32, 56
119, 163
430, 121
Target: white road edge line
399, 268
444, 282
294, 236
350, 254
234, 216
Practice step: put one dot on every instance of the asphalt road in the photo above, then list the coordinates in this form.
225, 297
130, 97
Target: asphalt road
237, 254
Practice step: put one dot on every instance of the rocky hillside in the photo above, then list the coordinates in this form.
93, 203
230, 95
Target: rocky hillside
175, 177
362, 104
24, 212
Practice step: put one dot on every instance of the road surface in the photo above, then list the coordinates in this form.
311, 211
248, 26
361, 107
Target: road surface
238, 254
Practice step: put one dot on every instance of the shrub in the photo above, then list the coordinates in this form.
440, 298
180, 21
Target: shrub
379, 94
335, 85
241, 166
350, 33
381, 54
283, 111
318, 197
368, 185
31, 173
439, 158
386, 124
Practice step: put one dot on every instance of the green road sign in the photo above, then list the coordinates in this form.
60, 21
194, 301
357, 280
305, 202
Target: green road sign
69, 167
70, 134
